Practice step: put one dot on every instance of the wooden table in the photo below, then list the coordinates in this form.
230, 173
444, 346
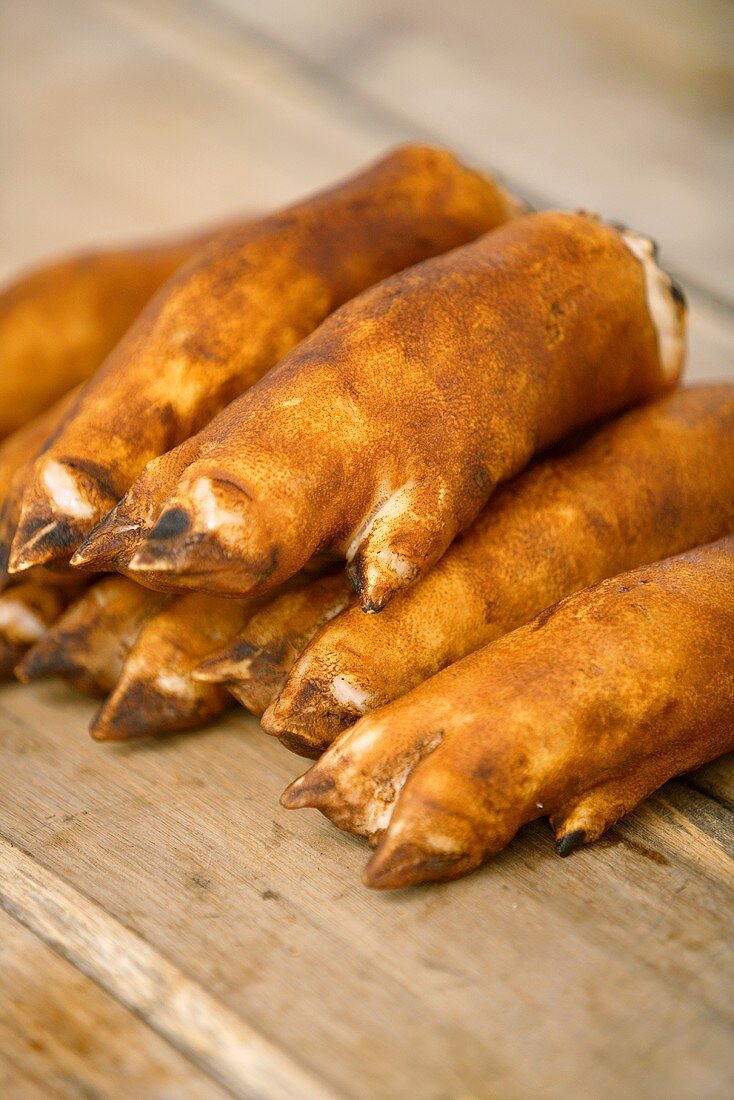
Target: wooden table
165, 929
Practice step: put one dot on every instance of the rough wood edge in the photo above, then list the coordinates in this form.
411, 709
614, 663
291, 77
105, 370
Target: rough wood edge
235, 1054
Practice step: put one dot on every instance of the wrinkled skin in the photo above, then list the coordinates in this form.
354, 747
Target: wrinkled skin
578, 716
156, 692
255, 665
89, 643
59, 322
241, 304
381, 436
655, 482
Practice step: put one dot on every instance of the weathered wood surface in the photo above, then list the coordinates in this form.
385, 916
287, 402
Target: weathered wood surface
602, 975
61, 1035
158, 889
622, 107
127, 118
147, 983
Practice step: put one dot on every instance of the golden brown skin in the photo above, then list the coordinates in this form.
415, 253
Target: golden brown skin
9, 512
89, 643
17, 453
657, 481
59, 322
236, 309
578, 716
156, 692
26, 612
382, 435
25, 443
255, 665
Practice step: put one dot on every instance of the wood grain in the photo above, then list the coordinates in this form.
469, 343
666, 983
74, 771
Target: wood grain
61, 1035
622, 107
169, 865
601, 975
158, 115
143, 980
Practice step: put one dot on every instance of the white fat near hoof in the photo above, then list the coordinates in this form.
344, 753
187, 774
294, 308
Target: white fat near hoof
396, 564
396, 503
667, 315
100, 593
380, 807
362, 737
440, 844
19, 624
348, 694
64, 492
173, 683
209, 511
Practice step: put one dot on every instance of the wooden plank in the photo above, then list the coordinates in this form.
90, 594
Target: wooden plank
716, 780
196, 1023
602, 975
62, 1036
110, 133
158, 116
623, 107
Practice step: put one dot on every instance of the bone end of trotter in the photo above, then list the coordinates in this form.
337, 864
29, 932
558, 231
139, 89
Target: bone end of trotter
60, 506
666, 304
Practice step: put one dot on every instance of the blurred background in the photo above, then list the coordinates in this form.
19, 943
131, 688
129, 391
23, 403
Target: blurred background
124, 118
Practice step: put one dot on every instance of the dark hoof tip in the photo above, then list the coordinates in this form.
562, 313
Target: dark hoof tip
173, 522
570, 842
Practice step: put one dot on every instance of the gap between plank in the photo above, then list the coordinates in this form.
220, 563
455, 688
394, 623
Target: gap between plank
119, 960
